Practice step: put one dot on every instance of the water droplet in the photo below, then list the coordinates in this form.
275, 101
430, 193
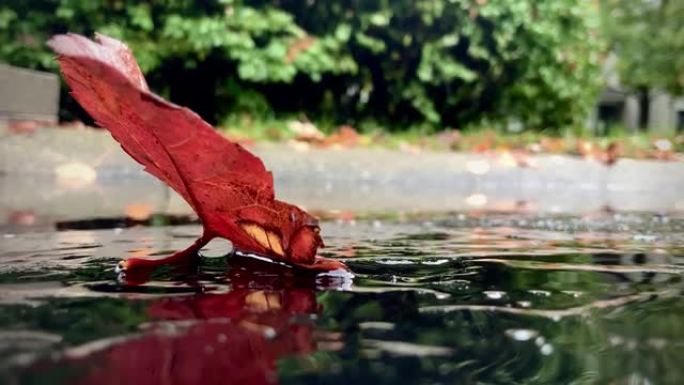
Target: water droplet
524, 304
522, 334
494, 294
657, 343
541, 293
573, 294
435, 262
546, 349
645, 238
395, 262
269, 333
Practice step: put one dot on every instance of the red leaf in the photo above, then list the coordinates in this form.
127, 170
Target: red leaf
228, 187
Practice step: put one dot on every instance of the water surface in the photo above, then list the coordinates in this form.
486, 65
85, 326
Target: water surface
457, 298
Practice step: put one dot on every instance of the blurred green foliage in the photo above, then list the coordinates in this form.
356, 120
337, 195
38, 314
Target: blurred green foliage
446, 62
648, 37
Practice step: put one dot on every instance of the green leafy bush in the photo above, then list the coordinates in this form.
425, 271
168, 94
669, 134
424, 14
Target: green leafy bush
446, 62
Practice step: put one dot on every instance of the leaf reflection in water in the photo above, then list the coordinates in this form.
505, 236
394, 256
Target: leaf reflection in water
228, 338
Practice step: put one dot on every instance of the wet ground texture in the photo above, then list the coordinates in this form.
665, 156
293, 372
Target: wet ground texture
451, 298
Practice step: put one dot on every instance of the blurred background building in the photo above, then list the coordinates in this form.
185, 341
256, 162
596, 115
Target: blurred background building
28, 95
662, 113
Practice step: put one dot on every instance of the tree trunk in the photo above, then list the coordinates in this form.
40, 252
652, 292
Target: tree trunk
644, 106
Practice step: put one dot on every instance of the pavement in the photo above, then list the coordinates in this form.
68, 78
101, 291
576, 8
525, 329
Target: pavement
68, 174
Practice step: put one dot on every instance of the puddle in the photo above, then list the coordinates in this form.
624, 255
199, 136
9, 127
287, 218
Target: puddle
458, 298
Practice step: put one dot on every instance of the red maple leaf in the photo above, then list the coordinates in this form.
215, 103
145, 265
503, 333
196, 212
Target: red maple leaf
227, 186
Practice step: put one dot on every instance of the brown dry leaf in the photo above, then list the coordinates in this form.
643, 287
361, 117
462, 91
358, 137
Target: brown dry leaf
24, 126
22, 218
306, 132
239, 138
552, 145
409, 148
663, 150
450, 138
612, 153
345, 136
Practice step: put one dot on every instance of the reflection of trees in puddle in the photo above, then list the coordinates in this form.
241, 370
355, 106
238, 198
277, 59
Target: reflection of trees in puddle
555, 315
580, 321
612, 341
413, 317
